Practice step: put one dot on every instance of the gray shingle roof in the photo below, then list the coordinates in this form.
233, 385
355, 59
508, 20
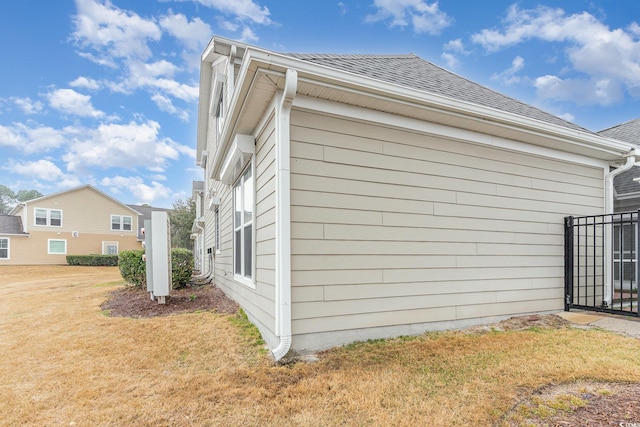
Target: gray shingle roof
145, 212
414, 72
11, 224
627, 132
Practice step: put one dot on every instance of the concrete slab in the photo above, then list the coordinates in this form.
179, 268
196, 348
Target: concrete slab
629, 326
579, 318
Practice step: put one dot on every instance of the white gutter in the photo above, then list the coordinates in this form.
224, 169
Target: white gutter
284, 101
201, 245
608, 236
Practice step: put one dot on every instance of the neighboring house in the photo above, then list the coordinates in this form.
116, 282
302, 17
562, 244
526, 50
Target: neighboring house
79, 221
351, 197
626, 185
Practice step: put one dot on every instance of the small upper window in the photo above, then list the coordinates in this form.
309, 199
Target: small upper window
48, 217
220, 113
121, 223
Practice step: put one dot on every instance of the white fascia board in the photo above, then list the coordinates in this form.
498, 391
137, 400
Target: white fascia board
203, 107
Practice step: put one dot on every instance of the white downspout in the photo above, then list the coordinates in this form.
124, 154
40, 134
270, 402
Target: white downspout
608, 209
200, 246
284, 101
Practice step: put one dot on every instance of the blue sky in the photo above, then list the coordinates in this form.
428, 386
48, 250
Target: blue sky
105, 92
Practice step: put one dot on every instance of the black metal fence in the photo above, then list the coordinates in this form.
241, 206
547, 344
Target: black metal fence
601, 260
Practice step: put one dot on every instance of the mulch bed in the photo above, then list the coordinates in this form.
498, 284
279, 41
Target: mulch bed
131, 302
605, 404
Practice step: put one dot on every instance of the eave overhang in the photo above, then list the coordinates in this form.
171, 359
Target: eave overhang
262, 74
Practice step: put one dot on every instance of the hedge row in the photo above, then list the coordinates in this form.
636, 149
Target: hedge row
93, 260
133, 268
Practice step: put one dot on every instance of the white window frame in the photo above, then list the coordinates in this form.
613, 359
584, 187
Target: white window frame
242, 277
106, 243
120, 222
47, 217
8, 248
56, 240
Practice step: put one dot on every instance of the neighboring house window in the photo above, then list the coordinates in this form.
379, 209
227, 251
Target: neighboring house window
217, 229
57, 246
243, 201
48, 217
109, 248
4, 248
120, 223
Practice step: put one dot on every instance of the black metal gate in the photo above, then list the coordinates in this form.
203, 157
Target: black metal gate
601, 263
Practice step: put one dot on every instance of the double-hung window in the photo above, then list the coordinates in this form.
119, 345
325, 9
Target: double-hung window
48, 217
120, 223
243, 230
4, 248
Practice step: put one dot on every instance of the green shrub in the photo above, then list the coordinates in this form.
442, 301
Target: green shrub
133, 268
93, 260
181, 267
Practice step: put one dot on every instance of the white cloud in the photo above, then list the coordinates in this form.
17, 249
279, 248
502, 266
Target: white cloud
129, 146
451, 60
581, 91
451, 52
508, 76
27, 105
567, 116
113, 32
71, 102
243, 10
608, 60
342, 8
135, 185
43, 170
31, 139
193, 34
85, 83
422, 16
164, 104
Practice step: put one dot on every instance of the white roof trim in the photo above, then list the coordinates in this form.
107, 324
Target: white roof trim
241, 151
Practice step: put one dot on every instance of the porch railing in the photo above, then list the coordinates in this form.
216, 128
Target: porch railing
601, 263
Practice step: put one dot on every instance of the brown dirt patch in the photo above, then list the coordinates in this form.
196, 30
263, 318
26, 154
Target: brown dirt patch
520, 323
130, 302
588, 404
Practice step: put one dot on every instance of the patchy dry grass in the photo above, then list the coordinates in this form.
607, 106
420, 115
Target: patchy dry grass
65, 363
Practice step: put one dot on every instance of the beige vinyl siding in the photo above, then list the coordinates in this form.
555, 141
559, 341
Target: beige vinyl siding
34, 249
258, 302
396, 228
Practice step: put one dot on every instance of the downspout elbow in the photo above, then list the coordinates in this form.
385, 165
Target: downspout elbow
631, 160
